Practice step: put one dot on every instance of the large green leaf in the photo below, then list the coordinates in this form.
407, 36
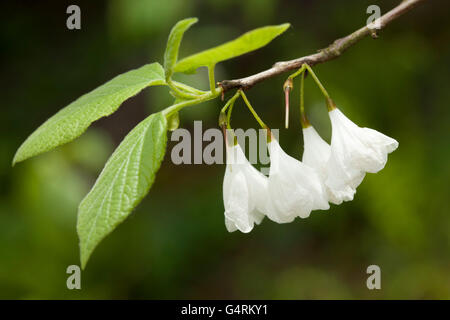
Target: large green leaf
124, 181
249, 41
173, 43
73, 120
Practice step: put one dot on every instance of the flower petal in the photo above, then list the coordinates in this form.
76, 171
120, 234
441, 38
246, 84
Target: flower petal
236, 201
295, 188
316, 151
365, 149
354, 151
244, 191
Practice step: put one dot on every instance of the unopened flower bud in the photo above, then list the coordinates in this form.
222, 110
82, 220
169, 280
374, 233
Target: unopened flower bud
287, 87
288, 84
223, 119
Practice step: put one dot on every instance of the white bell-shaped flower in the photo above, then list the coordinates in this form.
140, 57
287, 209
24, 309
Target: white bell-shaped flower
354, 151
295, 189
316, 154
245, 192
316, 151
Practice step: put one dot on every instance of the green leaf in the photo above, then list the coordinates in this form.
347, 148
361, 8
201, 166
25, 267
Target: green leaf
249, 41
73, 120
125, 180
173, 44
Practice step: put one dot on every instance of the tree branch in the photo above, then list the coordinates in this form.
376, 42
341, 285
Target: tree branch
332, 51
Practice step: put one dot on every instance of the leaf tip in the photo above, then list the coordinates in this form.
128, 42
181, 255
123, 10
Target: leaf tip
188, 22
192, 19
85, 252
83, 261
17, 158
284, 26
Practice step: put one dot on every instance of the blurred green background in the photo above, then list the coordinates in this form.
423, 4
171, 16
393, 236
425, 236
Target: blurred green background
175, 244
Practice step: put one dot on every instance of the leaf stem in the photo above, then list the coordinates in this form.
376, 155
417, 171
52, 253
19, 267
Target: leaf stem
212, 83
180, 93
187, 88
199, 99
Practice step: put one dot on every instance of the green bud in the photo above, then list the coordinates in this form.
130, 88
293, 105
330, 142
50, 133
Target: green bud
223, 119
173, 121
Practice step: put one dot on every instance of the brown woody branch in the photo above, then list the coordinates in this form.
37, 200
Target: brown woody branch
332, 51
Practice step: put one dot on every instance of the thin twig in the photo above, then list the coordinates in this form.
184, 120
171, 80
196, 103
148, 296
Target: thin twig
332, 51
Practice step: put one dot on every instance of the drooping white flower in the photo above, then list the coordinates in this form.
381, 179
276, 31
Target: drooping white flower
316, 154
295, 189
354, 151
316, 151
244, 192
